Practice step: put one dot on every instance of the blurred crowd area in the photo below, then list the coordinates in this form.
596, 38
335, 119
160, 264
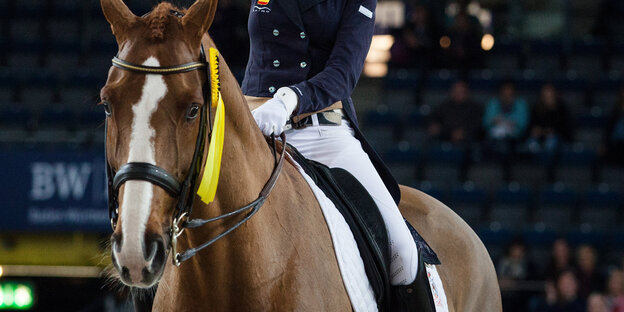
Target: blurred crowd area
574, 280
509, 111
512, 112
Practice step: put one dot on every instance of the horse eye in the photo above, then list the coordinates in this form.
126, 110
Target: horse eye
192, 112
107, 108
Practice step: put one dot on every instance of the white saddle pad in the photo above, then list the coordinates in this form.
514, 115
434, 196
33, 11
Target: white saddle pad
351, 265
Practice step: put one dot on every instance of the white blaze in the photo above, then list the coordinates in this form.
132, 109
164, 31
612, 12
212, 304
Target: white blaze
138, 195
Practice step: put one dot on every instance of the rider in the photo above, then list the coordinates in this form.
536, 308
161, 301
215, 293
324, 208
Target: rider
305, 59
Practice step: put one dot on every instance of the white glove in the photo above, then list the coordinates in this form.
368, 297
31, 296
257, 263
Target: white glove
272, 116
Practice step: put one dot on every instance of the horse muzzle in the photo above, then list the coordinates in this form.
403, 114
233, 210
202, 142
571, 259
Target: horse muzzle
140, 268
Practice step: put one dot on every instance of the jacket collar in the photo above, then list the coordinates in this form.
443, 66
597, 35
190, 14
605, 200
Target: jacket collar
294, 9
291, 8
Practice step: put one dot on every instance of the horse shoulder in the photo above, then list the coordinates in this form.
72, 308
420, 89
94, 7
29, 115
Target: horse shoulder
303, 245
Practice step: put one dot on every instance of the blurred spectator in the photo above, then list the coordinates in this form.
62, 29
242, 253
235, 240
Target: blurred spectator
615, 291
614, 132
453, 120
561, 296
588, 275
515, 265
414, 42
513, 268
597, 303
505, 119
549, 121
560, 259
464, 48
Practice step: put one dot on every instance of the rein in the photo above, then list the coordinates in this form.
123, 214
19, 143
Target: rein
254, 206
186, 190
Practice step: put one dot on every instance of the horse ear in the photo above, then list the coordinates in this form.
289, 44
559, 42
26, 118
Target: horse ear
117, 14
200, 15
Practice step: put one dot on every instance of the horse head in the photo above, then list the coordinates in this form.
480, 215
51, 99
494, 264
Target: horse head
152, 120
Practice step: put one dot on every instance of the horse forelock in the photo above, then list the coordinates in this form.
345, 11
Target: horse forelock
158, 20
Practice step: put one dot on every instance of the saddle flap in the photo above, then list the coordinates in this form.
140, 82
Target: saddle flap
365, 223
365, 210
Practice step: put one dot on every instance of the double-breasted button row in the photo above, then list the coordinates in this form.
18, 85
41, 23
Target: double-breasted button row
277, 63
276, 33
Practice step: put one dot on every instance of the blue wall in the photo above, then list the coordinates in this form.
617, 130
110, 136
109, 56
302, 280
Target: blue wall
61, 190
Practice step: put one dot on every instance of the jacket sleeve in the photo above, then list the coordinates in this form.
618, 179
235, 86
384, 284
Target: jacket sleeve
342, 71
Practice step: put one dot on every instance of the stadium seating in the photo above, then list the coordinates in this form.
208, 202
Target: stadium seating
511, 206
468, 201
556, 207
442, 164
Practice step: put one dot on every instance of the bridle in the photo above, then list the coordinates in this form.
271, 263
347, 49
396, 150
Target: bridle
184, 191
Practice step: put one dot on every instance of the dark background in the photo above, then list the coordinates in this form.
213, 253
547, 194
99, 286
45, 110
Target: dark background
522, 194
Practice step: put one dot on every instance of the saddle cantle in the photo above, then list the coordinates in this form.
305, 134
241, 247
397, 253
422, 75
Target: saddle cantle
363, 217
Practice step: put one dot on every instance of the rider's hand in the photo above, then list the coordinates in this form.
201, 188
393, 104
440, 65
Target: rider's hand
272, 116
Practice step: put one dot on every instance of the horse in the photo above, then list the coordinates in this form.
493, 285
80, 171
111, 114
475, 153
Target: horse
282, 258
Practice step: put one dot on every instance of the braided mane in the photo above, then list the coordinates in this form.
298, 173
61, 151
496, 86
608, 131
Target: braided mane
158, 20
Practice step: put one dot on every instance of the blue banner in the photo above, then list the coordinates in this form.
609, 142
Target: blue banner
63, 191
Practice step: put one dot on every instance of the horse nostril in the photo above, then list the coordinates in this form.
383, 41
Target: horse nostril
125, 275
116, 242
154, 247
115, 263
147, 275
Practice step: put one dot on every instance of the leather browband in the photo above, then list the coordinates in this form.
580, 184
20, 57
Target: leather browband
161, 70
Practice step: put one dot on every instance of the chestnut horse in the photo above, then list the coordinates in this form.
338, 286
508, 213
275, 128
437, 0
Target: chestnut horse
282, 259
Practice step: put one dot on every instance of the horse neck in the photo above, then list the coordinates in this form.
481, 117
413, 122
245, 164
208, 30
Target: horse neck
247, 163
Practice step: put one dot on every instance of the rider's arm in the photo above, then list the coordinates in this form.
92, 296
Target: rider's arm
342, 71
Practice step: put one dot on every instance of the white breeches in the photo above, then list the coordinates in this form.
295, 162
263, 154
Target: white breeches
336, 146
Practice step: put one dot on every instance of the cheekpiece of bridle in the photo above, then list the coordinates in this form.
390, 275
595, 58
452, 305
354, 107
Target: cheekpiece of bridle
184, 191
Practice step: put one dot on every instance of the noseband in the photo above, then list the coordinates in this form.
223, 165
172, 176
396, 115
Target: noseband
184, 191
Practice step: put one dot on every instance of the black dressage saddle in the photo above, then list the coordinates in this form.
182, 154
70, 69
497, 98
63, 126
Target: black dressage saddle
361, 213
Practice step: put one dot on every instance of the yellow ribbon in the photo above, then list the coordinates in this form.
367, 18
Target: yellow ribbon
210, 178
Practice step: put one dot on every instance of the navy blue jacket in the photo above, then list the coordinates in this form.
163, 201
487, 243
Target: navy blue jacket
317, 48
